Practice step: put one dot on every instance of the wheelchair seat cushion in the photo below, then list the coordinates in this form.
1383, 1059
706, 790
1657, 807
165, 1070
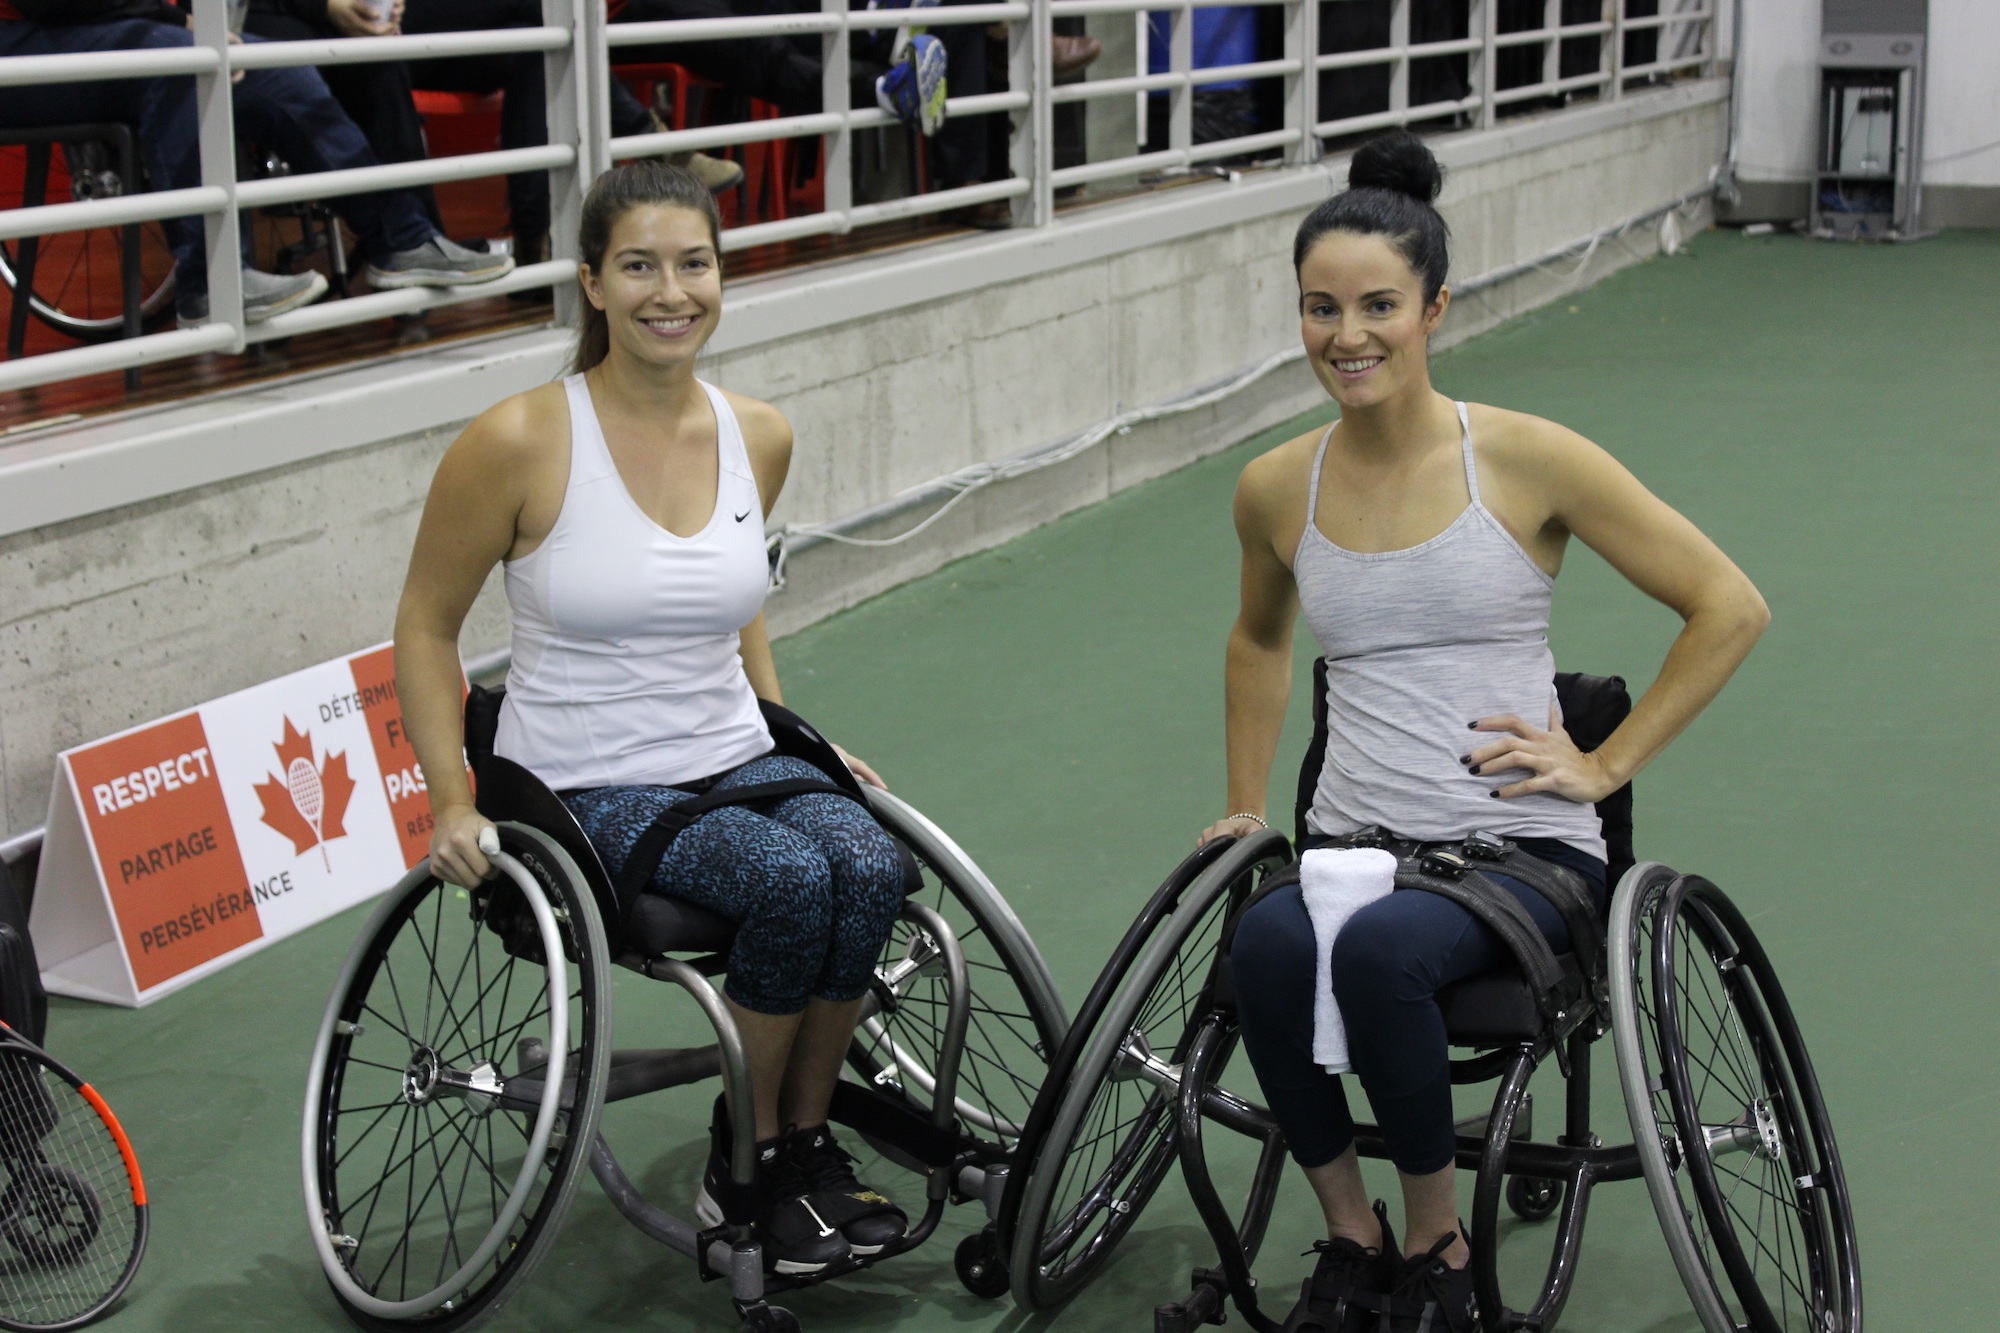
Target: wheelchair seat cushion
1498, 1007
657, 924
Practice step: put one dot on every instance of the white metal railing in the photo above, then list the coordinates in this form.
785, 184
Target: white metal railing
579, 49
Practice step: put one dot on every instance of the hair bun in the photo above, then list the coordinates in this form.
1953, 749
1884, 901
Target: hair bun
1398, 161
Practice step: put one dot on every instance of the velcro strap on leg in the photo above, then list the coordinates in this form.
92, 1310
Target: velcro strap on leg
1503, 914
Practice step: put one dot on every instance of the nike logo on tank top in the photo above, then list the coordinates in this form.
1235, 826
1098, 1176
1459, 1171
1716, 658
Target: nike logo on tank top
627, 669
1418, 643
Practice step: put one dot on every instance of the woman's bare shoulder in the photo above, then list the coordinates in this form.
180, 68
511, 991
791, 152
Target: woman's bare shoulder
519, 427
1282, 473
765, 429
1522, 438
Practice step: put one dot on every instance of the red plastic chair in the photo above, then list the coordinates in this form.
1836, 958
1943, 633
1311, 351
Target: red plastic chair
767, 192
459, 123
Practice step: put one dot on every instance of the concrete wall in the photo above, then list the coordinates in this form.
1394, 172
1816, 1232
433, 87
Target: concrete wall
117, 617
1780, 80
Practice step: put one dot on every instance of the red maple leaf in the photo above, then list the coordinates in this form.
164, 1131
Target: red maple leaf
306, 802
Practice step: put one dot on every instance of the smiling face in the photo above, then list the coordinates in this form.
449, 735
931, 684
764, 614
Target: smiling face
1363, 319
660, 284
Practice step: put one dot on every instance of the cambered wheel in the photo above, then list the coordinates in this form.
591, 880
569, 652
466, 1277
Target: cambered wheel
1016, 1018
1110, 1137
455, 1088
1733, 1134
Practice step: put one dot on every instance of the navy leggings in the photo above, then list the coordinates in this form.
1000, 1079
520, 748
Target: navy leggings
1389, 962
813, 886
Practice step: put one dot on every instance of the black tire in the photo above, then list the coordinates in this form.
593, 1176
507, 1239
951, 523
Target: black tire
1733, 1133
1016, 1019
1104, 1136
979, 1264
77, 288
1534, 1198
449, 995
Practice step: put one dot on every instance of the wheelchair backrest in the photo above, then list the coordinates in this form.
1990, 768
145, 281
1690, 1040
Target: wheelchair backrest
1592, 708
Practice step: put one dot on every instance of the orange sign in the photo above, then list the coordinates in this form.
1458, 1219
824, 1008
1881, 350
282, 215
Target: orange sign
176, 847
163, 837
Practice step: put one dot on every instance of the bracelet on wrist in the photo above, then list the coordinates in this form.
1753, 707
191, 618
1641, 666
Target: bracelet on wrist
1245, 814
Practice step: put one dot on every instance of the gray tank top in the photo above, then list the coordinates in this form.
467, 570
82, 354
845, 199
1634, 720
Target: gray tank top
1418, 643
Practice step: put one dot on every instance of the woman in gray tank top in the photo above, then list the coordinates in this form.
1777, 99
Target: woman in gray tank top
1421, 539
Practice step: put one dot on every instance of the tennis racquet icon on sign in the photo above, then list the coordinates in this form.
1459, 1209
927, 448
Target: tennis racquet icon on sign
73, 1206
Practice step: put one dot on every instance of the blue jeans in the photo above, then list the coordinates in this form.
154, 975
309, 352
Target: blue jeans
288, 111
1389, 962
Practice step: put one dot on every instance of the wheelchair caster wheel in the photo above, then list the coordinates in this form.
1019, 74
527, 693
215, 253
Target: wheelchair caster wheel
980, 1267
1534, 1198
761, 1318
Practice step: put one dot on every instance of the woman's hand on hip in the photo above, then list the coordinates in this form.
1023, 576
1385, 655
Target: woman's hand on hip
1236, 826
1550, 756
860, 769
455, 854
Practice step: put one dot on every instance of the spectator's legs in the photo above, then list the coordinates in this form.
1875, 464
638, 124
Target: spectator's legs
519, 79
375, 96
961, 143
291, 111
162, 111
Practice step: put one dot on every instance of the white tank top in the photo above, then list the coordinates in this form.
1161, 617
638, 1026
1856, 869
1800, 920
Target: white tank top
1419, 642
627, 668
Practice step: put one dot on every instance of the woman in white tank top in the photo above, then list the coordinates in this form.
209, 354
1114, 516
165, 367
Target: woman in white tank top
627, 504
1421, 538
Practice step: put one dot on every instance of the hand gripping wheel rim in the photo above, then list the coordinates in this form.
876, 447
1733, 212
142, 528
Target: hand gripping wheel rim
545, 1115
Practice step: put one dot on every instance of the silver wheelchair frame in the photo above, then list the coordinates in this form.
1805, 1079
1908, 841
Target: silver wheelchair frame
942, 1073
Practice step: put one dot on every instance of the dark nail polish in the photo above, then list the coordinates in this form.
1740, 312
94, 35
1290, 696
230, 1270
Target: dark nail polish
1474, 772
1472, 726
1465, 759
1495, 792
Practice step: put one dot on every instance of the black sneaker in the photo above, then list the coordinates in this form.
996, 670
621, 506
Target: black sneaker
1432, 1296
1348, 1280
796, 1240
867, 1218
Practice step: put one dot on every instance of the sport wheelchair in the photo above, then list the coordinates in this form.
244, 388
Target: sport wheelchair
465, 1056
1729, 1128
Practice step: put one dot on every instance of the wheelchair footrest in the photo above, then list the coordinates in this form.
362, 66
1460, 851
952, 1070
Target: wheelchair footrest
881, 1115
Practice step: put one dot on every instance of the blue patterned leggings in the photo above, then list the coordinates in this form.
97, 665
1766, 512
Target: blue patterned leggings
813, 887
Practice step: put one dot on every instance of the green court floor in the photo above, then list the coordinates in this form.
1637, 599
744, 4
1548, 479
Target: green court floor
1825, 412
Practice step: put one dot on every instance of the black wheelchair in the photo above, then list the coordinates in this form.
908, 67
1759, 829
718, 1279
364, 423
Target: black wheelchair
465, 1056
1729, 1128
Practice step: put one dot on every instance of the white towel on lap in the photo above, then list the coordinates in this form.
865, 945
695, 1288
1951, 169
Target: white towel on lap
1337, 882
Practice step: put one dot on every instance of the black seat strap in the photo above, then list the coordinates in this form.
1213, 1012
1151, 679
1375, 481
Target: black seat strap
1571, 897
651, 848
1502, 913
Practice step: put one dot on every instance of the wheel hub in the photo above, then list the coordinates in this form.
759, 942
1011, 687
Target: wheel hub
420, 1076
1766, 1122
426, 1078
